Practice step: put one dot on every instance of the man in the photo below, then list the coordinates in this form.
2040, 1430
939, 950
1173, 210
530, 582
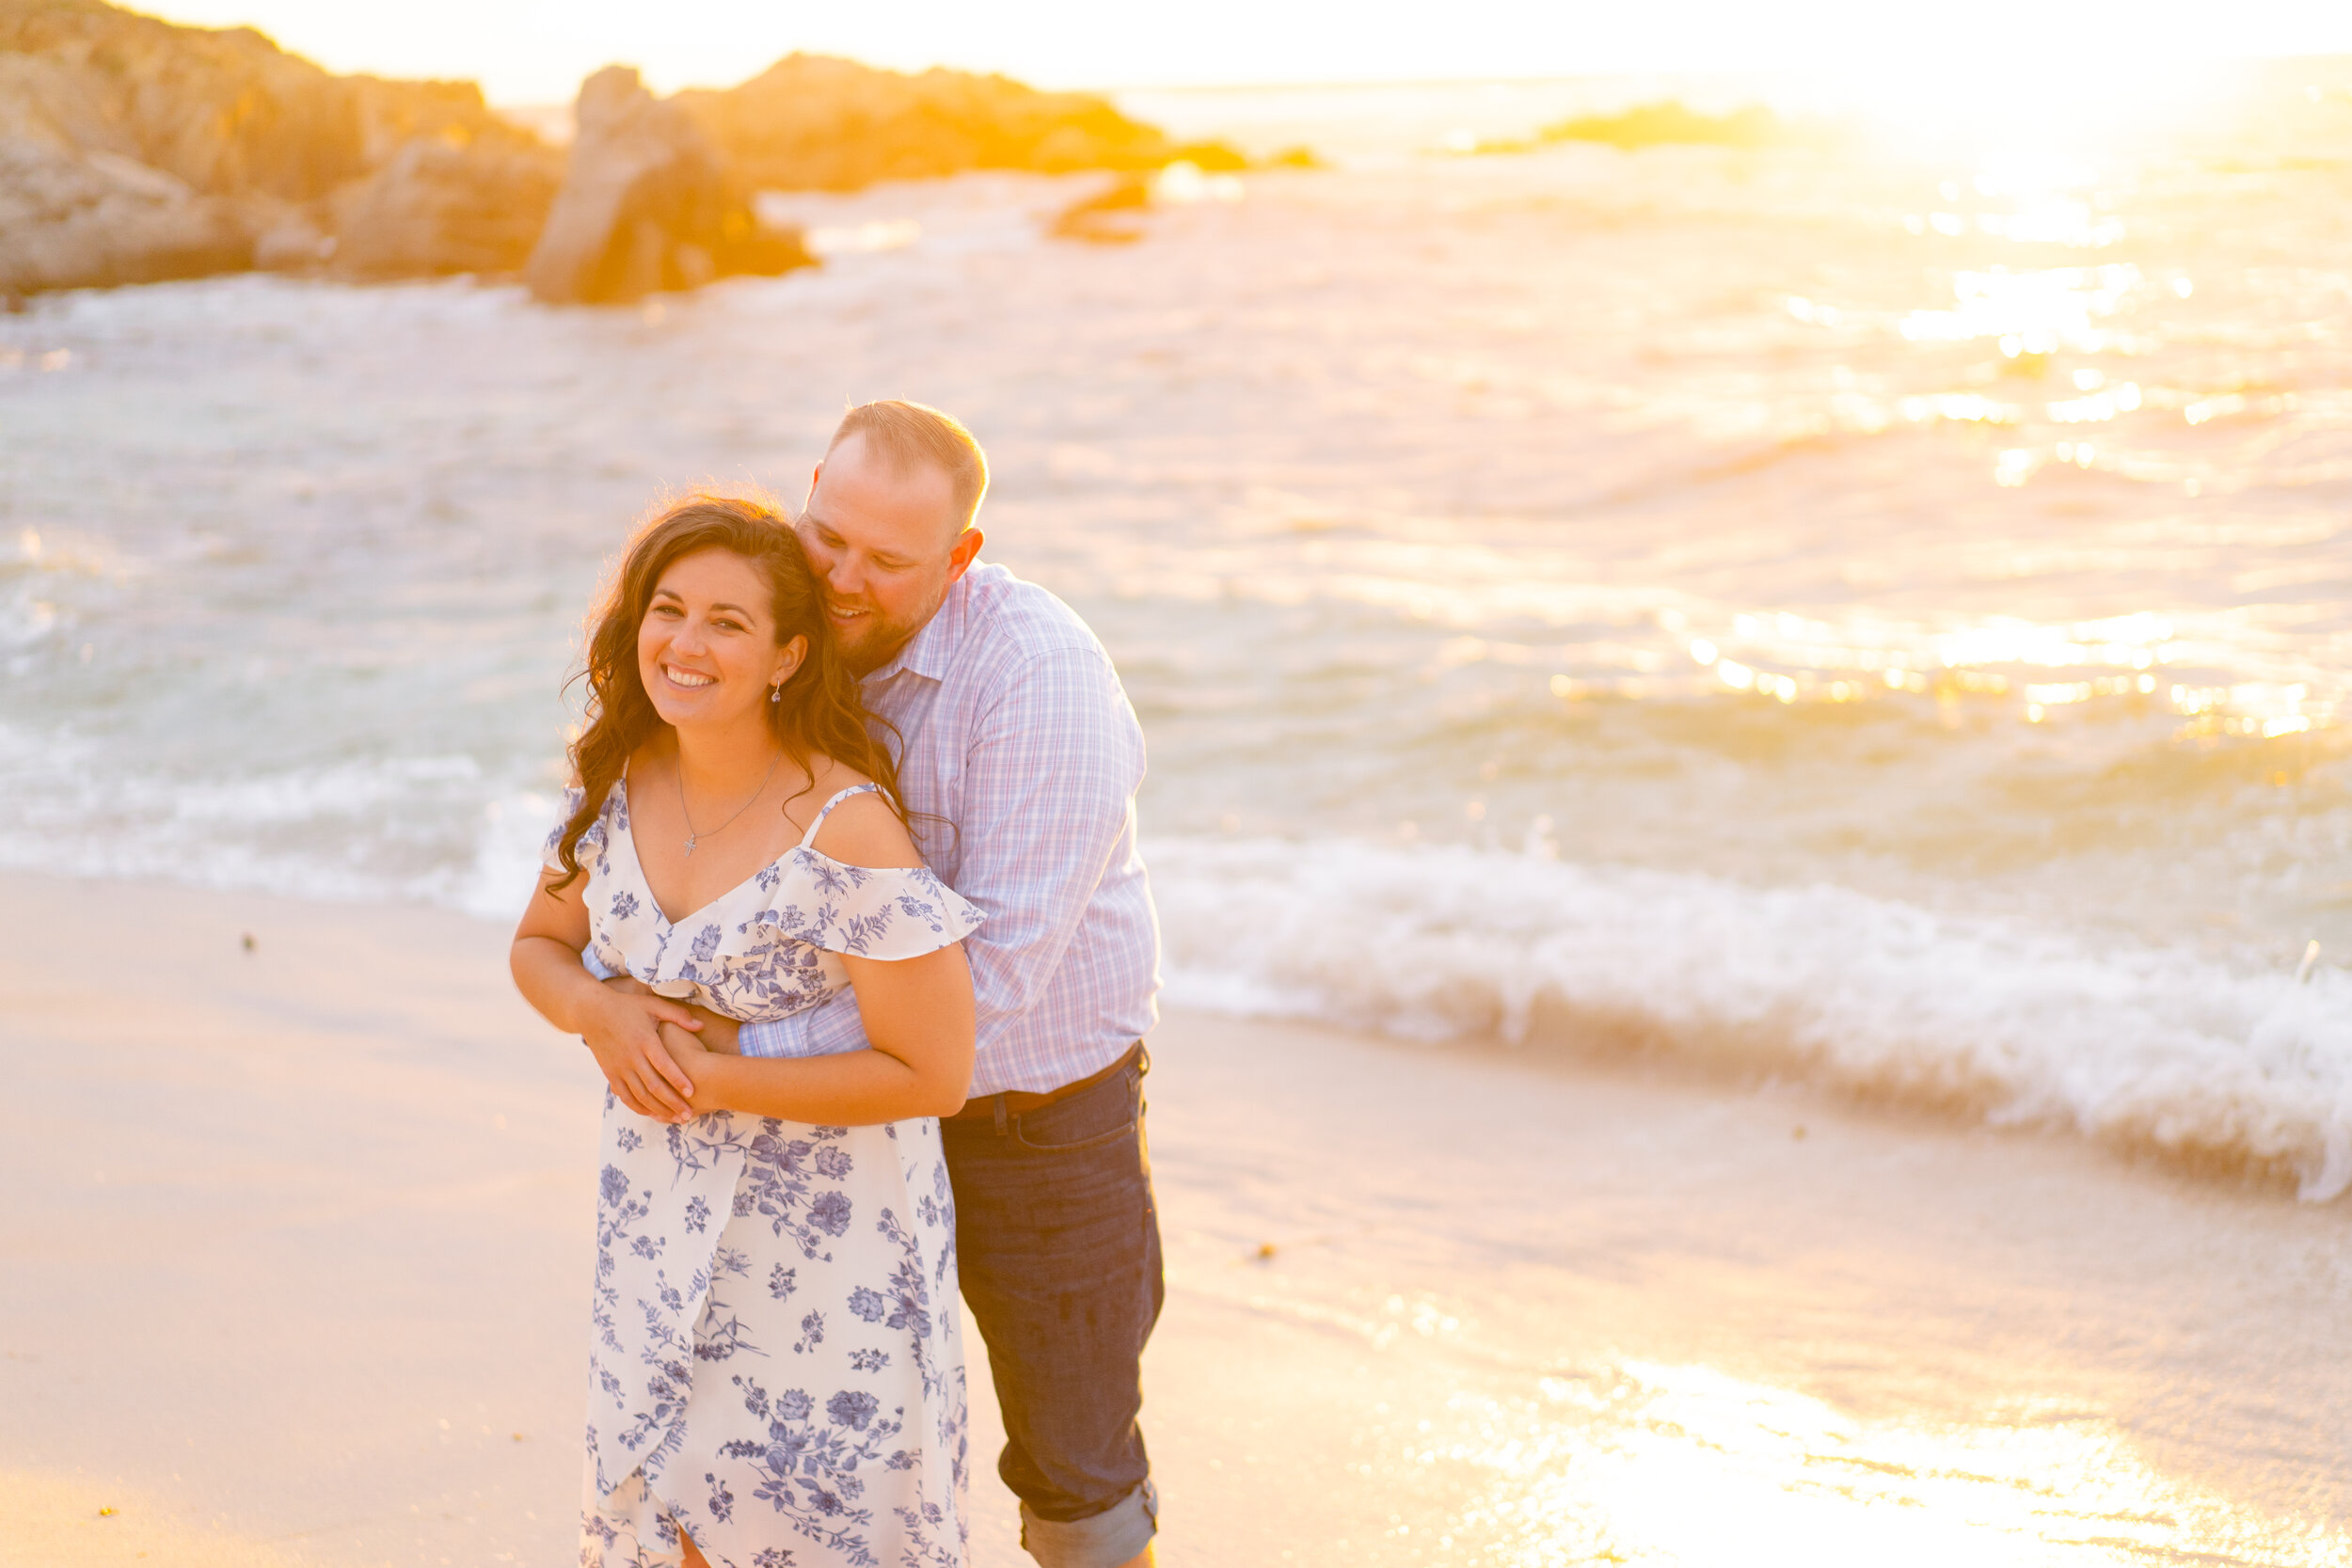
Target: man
1020, 761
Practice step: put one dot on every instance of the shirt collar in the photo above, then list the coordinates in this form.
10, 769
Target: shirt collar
931, 652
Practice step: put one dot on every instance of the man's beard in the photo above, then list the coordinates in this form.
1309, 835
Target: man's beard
873, 640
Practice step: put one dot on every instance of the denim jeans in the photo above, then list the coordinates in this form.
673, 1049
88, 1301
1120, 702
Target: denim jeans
1058, 1245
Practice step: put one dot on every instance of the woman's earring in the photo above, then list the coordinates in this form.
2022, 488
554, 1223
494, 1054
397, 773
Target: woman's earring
775, 692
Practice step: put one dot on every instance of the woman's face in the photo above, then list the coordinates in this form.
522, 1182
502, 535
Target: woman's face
707, 648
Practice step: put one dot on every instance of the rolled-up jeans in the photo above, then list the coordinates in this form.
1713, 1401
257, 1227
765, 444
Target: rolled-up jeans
1058, 1242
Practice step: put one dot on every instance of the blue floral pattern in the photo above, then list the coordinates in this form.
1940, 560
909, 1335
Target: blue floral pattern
777, 1352
769, 946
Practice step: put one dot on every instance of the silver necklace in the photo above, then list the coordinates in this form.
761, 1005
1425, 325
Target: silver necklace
690, 835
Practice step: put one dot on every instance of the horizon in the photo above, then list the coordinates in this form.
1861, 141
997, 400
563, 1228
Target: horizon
2008, 50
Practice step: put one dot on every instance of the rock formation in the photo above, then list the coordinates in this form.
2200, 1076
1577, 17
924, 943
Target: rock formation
647, 203
1106, 216
222, 112
813, 122
69, 217
1668, 123
132, 150
436, 206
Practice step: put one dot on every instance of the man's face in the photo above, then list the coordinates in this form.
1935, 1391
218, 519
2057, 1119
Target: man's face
887, 547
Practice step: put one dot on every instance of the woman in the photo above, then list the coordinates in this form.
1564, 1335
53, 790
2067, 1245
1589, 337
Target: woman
776, 1371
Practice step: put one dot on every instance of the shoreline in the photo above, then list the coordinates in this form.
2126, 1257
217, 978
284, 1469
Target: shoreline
307, 1239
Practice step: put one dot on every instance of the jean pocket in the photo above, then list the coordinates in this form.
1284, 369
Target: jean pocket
1093, 1119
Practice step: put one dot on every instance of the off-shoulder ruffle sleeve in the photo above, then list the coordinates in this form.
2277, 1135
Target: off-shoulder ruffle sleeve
861, 910
773, 945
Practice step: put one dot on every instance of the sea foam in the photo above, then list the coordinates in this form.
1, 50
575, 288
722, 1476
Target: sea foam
2147, 1049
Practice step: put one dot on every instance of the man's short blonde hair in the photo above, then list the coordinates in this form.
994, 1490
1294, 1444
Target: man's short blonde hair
905, 434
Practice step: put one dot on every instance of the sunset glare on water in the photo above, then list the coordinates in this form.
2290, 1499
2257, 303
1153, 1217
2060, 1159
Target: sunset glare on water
1749, 793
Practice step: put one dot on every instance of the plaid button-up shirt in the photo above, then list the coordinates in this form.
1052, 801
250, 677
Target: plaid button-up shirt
1020, 758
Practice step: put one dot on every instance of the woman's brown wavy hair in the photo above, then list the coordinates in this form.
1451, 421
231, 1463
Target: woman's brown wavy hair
821, 711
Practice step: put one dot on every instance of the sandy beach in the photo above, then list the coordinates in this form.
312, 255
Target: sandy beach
296, 1256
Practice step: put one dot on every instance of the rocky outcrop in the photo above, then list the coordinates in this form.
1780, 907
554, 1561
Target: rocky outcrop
70, 219
813, 122
133, 150
647, 203
1109, 216
438, 207
224, 113
1668, 123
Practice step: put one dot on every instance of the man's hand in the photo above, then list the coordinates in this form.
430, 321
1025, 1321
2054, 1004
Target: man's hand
720, 1035
625, 1037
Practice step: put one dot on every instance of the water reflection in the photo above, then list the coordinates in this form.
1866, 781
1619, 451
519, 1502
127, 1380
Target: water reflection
1686, 1465
2029, 667
2033, 312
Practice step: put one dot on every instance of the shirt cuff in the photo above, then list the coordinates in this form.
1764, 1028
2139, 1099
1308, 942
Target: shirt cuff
829, 1029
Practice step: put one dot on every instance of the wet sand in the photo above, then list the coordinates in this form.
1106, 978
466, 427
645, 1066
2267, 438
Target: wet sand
296, 1250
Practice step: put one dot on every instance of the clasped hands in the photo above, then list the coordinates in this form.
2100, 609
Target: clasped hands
650, 1049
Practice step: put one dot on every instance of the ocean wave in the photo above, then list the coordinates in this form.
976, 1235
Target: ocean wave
431, 829
2148, 1049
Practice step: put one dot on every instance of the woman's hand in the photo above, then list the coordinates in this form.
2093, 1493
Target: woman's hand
720, 1035
624, 1032
694, 1058
620, 1021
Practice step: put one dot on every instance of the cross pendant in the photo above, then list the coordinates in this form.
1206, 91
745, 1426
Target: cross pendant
690, 845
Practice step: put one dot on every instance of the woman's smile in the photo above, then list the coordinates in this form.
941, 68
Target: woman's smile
707, 648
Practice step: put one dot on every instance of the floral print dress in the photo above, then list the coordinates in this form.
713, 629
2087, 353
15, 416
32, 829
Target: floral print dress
776, 1355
